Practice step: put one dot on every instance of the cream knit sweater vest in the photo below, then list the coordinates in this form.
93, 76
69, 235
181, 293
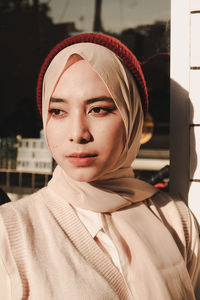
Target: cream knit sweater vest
67, 259
51, 256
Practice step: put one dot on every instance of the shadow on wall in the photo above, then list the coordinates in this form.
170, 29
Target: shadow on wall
183, 157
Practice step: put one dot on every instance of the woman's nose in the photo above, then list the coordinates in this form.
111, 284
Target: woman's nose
79, 130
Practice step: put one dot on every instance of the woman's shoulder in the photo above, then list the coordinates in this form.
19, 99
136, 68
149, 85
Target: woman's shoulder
171, 207
19, 219
172, 210
183, 226
22, 209
177, 217
24, 201
17, 225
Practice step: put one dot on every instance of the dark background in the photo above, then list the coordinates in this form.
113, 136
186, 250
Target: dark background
27, 34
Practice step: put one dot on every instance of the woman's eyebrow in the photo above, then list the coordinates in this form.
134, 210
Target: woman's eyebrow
55, 100
88, 101
101, 98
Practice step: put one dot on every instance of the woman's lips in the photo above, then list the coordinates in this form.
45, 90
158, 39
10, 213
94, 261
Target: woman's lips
81, 159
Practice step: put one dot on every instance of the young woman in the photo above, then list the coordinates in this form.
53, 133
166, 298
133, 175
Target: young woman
96, 232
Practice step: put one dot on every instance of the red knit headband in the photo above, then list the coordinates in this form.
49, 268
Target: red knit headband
112, 44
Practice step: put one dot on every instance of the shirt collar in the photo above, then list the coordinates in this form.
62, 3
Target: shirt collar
91, 220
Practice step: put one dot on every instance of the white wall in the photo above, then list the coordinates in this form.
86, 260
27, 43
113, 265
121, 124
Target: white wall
185, 103
194, 92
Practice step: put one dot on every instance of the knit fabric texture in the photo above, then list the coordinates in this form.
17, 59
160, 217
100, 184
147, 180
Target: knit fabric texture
49, 254
113, 44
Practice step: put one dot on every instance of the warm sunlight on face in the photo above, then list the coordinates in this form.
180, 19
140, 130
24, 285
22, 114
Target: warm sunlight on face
85, 131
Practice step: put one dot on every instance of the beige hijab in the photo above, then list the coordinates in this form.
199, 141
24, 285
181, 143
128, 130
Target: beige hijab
118, 188
140, 237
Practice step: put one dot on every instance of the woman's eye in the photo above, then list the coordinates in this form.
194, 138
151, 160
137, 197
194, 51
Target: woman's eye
97, 110
102, 111
56, 112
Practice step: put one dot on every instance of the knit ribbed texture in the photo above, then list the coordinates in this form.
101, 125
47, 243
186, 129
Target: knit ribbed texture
181, 214
85, 244
185, 219
55, 254
112, 44
17, 243
78, 235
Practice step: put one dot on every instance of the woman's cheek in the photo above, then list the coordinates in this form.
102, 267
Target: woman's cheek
52, 135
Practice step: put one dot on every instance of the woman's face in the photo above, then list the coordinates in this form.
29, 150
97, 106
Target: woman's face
85, 131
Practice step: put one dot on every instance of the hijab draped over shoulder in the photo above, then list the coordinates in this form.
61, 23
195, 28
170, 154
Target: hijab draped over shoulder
118, 188
139, 235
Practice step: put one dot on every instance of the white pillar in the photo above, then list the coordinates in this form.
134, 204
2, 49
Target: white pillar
194, 92
179, 104
185, 103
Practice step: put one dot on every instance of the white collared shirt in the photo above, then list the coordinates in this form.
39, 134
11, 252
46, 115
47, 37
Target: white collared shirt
93, 223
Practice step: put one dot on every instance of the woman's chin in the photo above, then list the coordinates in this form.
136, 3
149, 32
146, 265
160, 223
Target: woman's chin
83, 175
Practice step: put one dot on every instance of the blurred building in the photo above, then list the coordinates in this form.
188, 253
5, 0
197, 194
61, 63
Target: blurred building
33, 156
25, 165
